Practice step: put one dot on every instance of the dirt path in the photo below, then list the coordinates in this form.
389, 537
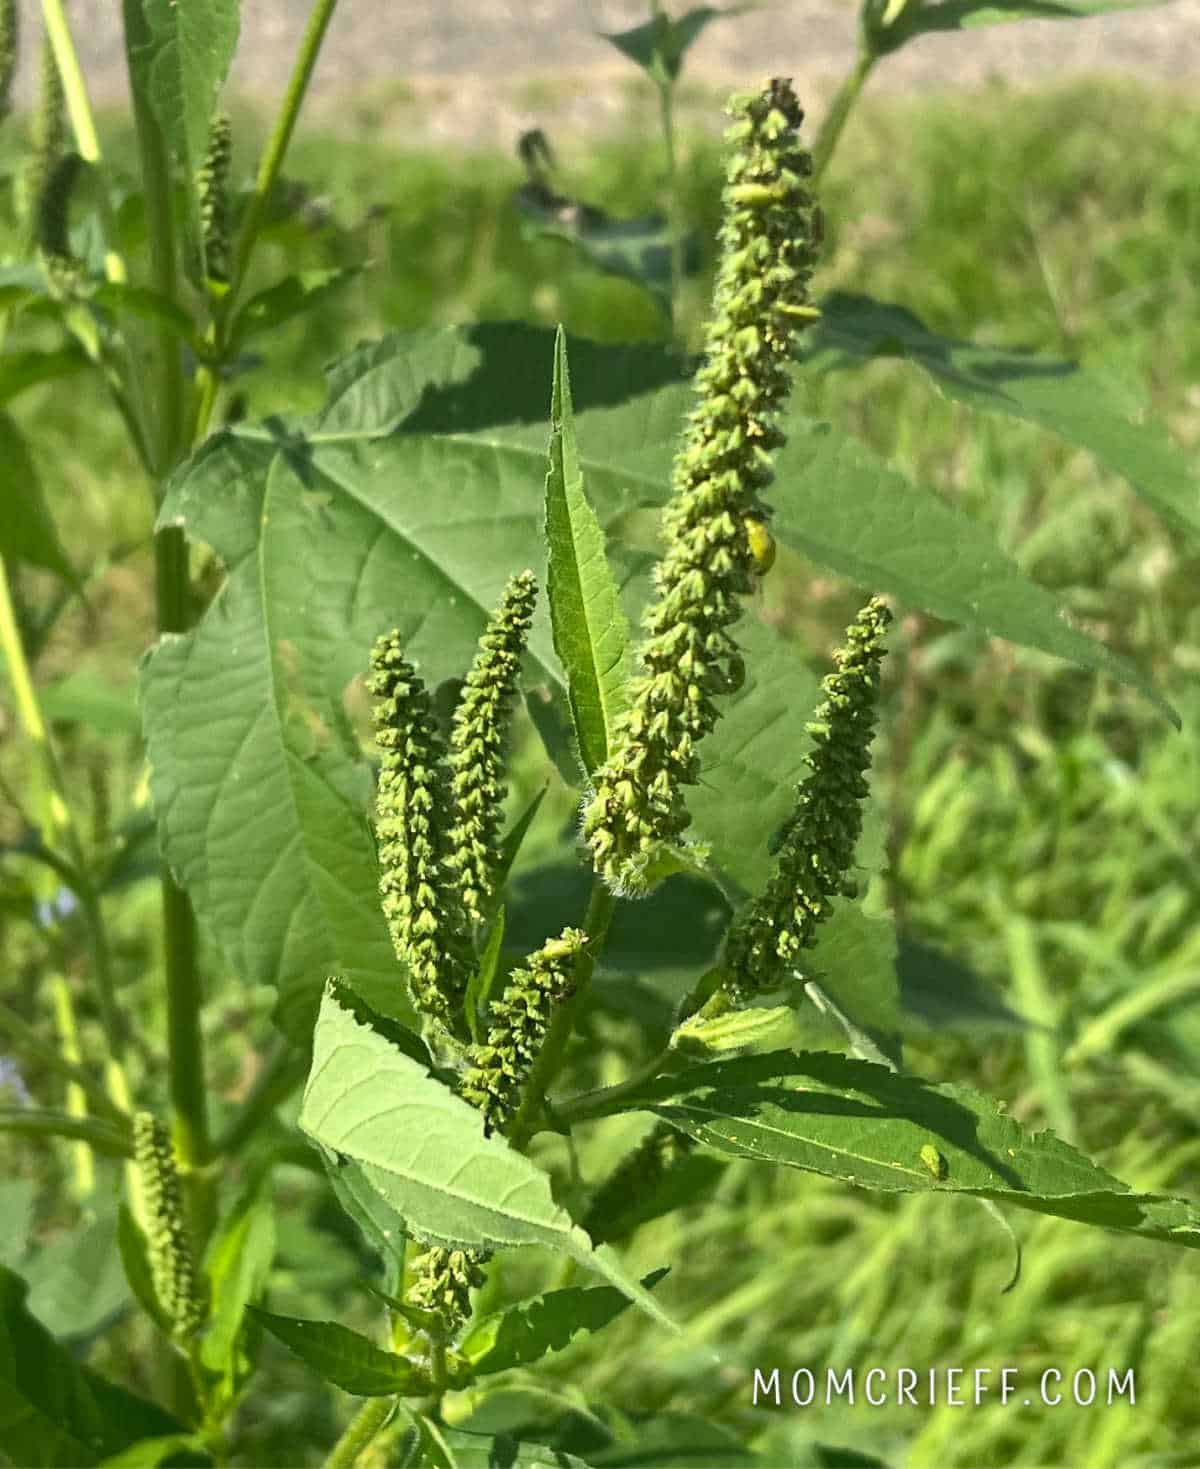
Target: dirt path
477, 71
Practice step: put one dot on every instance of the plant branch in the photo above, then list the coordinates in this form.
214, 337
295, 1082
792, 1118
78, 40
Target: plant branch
39, 1122
277, 144
32, 1045
362, 1428
839, 111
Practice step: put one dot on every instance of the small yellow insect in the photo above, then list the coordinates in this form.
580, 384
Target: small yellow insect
762, 544
934, 1161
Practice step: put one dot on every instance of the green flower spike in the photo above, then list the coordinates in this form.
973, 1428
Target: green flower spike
47, 142
212, 184
497, 1068
768, 251
412, 806
171, 1262
816, 846
477, 745
443, 1280
10, 46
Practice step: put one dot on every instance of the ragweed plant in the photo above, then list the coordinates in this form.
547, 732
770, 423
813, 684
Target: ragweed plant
446, 1099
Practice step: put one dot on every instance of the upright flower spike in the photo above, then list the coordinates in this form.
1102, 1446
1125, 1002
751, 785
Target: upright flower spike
499, 1066
212, 184
172, 1264
47, 140
816, 846
715, 523
477, 743
412, 806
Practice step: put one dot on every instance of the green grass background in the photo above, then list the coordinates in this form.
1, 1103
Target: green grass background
1043, 824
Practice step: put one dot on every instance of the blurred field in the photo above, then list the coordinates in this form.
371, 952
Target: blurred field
1044, 825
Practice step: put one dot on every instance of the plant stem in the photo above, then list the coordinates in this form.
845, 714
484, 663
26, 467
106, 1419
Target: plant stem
601, 905
362, 1428
167, 442
277, 144
76, 1101
839, 111
666, 108
605, 1100
40, 1122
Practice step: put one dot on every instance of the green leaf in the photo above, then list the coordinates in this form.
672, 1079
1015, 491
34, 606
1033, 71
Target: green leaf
451, 1448
659, 45
76, 1284
919, 17
237, 1265
591, 636
680, 1441
287, 298
55, 1413
866, 1125
525, 1333
91, 699
1080, 405
382, 1228
479, 990
21, 370
424, 1150
179, 55
27, 532
122, 299
149, 1453
835, 502
345, 1358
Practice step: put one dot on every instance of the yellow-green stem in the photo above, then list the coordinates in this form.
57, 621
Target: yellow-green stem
83, 1166
839, 111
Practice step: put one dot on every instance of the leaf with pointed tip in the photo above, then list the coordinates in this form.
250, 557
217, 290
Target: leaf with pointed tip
863, 1124
526, 1332
424, 1150
1079, 404
345, 1358
54, 1412
27, 531
591, 635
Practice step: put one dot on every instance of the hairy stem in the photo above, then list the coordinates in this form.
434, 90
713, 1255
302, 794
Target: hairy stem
362, 1428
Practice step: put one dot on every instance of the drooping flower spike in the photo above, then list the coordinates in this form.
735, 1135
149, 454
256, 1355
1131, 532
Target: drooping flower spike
715, 523
815, 848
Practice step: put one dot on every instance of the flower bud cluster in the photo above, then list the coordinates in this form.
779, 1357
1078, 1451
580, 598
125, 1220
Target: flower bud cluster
816, 846
498, 1067
768, 250
212, 186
